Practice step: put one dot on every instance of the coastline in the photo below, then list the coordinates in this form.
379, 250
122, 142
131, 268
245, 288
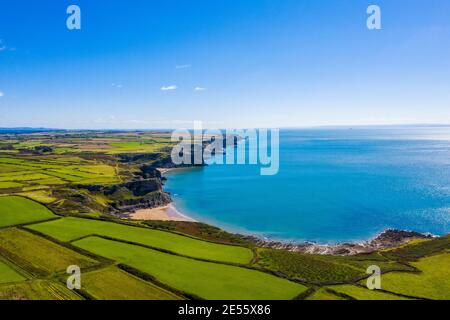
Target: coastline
385, 240
388, 239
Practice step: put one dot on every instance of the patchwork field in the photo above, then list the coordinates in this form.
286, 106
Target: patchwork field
114, 284
40, 170
203, 279
38, 255
69, 229
432, 283
18, 210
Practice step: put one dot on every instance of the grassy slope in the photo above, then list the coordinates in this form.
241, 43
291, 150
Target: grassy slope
204, 279
432, 283
18, 210
114, 284
72, 228
418, 250
38, 255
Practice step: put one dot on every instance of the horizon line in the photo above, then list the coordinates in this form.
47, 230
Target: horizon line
341, 126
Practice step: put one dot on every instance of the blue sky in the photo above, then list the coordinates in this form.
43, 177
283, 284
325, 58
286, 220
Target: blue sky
254, 63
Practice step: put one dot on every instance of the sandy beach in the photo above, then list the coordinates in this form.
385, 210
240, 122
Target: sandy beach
166, 213
165, 170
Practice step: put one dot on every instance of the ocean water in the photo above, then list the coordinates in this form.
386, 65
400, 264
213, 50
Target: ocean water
334, 185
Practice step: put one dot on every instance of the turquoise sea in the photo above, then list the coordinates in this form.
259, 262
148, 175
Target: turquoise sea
334, 185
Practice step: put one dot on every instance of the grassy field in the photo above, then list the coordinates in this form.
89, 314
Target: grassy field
68, 229
10, 185
42, 196
17, 210
45, 170
360, 293
38, 255
8, 275
432, 283
37, 290
114, 284
203, 279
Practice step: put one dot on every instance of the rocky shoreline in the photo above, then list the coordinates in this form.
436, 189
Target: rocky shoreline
388, 239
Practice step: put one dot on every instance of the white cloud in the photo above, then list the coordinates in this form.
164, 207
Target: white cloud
199, 89
1, 94
117, 85
169, 88
183, 66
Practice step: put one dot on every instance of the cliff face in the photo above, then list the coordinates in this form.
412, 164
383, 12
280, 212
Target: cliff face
144, 191
138, 188
151, 200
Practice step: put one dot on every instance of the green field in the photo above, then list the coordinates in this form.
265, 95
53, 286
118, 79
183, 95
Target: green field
114, 284
10, 185
17, 172
42, 196
18, 210
7, 274
203, 279
68, 229
432, 283
360, 293
38, 255
37, 290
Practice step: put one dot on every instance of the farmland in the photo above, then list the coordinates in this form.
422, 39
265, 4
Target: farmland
68, 229
361, 293
63, 196
203, 279
115, 284
433, 282
37, 255
8, 275
18, 210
